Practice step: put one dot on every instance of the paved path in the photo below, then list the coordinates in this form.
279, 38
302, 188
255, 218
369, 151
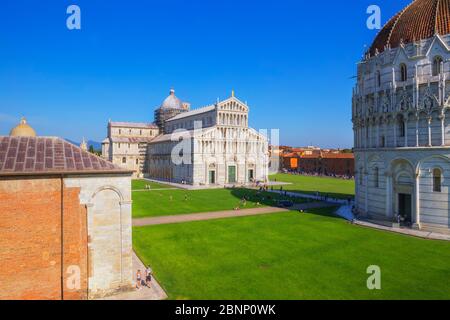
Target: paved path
405, 231
151, 221
155, 292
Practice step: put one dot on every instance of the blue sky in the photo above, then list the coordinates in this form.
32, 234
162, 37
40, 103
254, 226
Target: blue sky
293, 61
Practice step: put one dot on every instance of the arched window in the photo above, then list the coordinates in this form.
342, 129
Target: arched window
403, 72
124, 160
377, 178
378, 79
401, 127
437, 62
437, 180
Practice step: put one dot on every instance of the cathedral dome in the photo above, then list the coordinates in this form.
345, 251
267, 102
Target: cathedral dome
23, 130
172, 102
420, 20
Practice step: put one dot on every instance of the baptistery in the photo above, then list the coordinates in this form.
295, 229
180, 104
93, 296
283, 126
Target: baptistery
401, 120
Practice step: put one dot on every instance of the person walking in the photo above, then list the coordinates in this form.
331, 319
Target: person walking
138, 279
148, 276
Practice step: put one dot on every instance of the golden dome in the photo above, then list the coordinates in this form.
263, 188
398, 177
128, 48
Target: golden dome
23, 130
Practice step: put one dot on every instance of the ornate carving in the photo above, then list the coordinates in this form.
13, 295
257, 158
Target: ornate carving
405, 103
429, 100
385, 104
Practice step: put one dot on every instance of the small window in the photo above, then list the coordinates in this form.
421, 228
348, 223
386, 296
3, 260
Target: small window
378, 79
437, 63
403, 72
124, 160
377, 177
137, 161
437, 180
383, 141
402, 129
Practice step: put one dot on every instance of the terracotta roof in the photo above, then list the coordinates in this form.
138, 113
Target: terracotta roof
137, 125
324, 155
422, 19
132, 139
338, 156
48, 155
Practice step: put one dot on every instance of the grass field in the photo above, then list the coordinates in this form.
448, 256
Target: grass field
140, 185
172, 202
337, 188
291, 256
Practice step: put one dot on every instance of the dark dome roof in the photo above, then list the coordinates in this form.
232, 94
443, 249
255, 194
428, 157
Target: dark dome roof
422, 19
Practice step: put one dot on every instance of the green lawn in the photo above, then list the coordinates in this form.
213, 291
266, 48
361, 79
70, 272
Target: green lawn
172, 202
140, 185
291, 256
337, 188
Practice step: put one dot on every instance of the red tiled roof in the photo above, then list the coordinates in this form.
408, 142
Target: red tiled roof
48, 155
338, 156
325, 155
422, 19
137, 125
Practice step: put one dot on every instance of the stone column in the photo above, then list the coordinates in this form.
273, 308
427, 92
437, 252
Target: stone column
366, 185
378, 134
429, 131
417, 201
442, 118
406, 132
395, 133
388, 194
417, 131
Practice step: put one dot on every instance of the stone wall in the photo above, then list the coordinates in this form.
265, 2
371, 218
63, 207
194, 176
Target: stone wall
108, 201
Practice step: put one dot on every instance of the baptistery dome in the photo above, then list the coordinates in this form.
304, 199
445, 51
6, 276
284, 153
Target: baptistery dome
401, 121
422, 19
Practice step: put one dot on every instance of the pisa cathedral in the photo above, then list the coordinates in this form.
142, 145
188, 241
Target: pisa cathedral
401, 119
219, 147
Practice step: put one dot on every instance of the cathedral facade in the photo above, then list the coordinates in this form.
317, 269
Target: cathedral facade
208, 146
401, 119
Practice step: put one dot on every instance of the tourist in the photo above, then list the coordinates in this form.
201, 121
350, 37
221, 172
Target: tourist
138, 279
185, 197
148, 276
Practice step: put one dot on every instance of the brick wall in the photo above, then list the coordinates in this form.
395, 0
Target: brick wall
30, 241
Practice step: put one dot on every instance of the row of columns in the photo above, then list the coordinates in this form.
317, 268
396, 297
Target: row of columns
233, 119
363, 134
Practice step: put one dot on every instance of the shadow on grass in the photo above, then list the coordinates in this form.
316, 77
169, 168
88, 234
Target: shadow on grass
263, 197
334, 195
328, 212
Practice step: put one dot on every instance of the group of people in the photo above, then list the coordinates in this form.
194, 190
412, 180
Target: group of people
144, 280
316, 174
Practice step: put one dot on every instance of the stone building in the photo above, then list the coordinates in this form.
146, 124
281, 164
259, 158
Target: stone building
401, 118
219, 145
126, 145
65, 220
